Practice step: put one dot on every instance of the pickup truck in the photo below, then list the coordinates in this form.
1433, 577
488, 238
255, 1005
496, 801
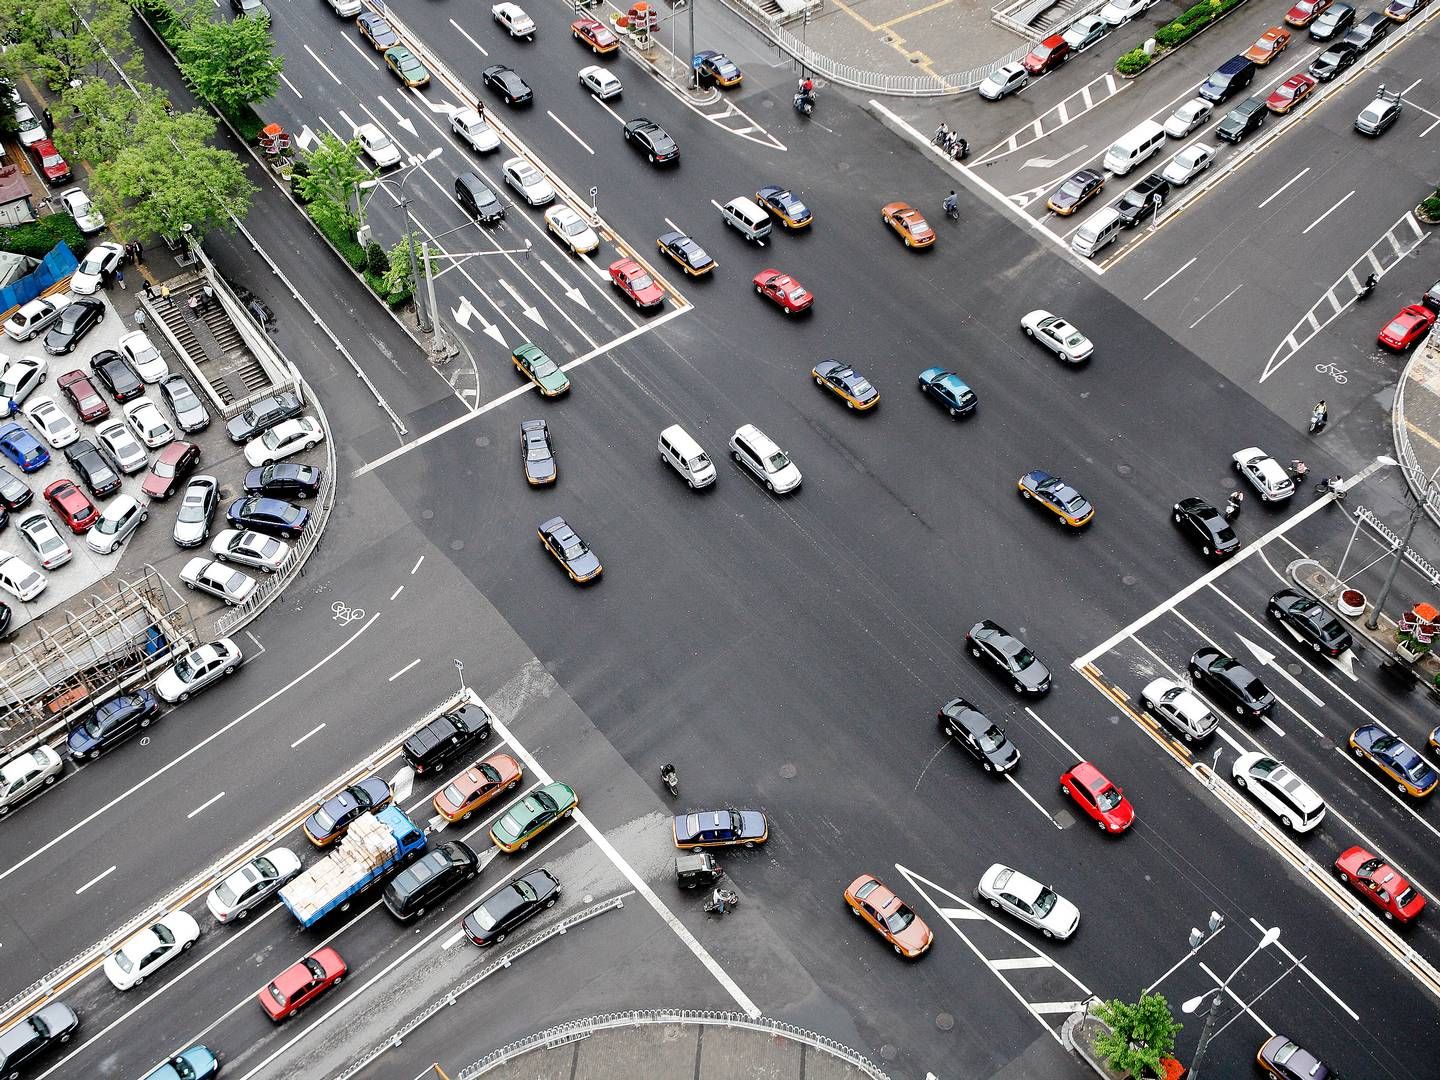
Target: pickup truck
374, 845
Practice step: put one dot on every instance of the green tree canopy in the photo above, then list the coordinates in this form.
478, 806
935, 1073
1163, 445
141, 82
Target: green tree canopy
1139, 1036
231, 63
96, 120
61, 40
333, 174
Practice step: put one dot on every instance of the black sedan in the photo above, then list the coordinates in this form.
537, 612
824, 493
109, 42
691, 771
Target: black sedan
569, 550
273, 517
263, 415
337, 813
1333, 61
685, 253
1205, 527
508, 84
972, 729
511, 905
537, 452
989, 641
652, 140
1226, 680
97, 471
845, 383
112, 723
113, 371
1311, 620
286, 479
79, 317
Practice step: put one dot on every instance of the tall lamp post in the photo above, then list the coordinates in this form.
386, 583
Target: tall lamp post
1190, 1007
422, 315
1430, 493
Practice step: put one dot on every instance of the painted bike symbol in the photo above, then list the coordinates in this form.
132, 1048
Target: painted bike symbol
344, 614
1334, 371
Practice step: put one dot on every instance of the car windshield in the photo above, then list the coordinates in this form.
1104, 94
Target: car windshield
899, 919
545, 366
92, 263
1021, 659
777, 461
273, 438
641, 281
1071, 189
163, 468
574, 226
191, 511
184, 667
527, 893
1071, 499
1108, 799
1074, 340
123, 962
860, 387
1045, 902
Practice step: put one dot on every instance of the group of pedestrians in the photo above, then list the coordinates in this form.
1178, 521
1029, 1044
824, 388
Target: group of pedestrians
131, 253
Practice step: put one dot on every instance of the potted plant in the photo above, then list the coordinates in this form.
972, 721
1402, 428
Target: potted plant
1351, 602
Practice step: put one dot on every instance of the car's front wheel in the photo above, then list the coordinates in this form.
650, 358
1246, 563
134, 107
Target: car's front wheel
1239, 781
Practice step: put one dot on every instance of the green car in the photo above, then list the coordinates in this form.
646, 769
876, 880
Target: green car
406, 66
541, 370
532, 815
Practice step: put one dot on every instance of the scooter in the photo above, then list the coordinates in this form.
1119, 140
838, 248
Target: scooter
671, 779
804, 104
722, 900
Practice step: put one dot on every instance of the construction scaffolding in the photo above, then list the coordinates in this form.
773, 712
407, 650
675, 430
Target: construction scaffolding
83, 657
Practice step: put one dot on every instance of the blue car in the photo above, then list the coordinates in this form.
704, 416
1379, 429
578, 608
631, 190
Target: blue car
196, 1063
950, 390
273, 517
22, 448
112, 723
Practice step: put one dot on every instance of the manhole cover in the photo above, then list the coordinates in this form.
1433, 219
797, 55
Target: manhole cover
457, 545
945, 1021
888, 1052
482, 440
1129, 579
427, 515
1124, 470
789, 772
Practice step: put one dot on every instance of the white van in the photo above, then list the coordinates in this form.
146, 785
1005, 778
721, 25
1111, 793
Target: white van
684, 455
1135, 146
754, 450
1099, 229
746, 217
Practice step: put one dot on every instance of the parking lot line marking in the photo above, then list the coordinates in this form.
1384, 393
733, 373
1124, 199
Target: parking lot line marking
202, 806
293, 88
404, 669
313, 731
1020, 963
95, 881
1300, 963
1281, 190
1056, 735
398, 590
1171, 278
418, 561
1344, 199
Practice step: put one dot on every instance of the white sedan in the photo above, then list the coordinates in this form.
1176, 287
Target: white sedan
264, 553
471, 126
600, 82
19, 578
1279, 790
53, 423
44, 541
1057, 335
285, 438
150, 427
1189, 163
25, 773
151, 949
1265, 474
21, 378
514, 19
251, 884
377, 146
78, 205
197, 669
528, 181
144, 357
574, 232
1187, 118
128, 453
100, 260
1017, 894
219, 580
1118, 12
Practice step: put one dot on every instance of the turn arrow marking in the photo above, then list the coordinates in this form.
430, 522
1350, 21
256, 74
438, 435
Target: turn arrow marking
1263, 658
570, 290
467, 310
529, 311
1050, 163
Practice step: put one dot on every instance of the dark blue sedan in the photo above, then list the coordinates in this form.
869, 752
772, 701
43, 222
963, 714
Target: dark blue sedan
22, 448
336, 814
273, 517
112, 723
949, 389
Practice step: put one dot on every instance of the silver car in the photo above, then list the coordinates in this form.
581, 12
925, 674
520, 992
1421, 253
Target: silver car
217, 579
26, 773
123, 447
120, 518
528, 181
264, 553
190, 415
40, 536
197, 509
252, 884
197, 669
1023, 897
472, 128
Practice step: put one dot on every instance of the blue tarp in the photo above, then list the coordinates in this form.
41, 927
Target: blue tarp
59, 264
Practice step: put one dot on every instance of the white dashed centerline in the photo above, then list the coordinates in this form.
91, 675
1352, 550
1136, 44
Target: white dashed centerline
95, 881
202, 806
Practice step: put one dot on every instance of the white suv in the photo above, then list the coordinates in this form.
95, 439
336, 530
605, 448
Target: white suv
754, 450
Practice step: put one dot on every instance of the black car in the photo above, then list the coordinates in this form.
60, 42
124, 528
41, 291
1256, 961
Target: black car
686, 253
1311, 619
1368, 31
263, 415
1205, 527
511, 905
1231, 683
1333, 61
973, 730
112, 723
989, 641
430, 879
509, 85
184, 405
285, 478
79, 317
6, 615
1335, 19
258, 309
1240, 121
273, 517
537, 452
42, 1032
95, 467
652, 140
14, 492
447, 737
113, 371
1144, 198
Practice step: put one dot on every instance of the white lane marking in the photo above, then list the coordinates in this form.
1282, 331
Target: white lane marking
1279, 191
202, 806
293, 88
398, 590
1052, 1007
1412, 86
404, 669
960, 913
313, 731
102, 810
418, 561
675, 227
1222, 300
468, 38
1327, 213
1171, 278
1056, 735
95, 881
1020, 963
323, 68
1301, 964
366, 53
567, 130
1017, 786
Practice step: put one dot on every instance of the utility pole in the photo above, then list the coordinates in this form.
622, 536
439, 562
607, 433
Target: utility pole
1421, 501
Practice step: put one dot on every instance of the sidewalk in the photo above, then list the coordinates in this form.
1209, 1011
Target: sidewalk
1415, 419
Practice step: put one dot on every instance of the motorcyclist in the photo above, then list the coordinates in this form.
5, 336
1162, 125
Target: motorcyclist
1319, 416
952, 204
1232, 507
1369, 286
941, 133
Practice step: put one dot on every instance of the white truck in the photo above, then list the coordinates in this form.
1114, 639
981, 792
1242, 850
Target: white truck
374, 845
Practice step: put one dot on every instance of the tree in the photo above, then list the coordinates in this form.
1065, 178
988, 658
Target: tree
230, 64
63, 40
398, 279
1139, 1036
100, 121
333, 174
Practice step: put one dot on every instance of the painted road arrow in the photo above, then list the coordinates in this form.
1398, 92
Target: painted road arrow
529, 311
467, 310
570, 290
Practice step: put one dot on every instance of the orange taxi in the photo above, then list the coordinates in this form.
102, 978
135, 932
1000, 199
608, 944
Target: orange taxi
1271, 44
477, 785
595, 34
909, 223
894, 919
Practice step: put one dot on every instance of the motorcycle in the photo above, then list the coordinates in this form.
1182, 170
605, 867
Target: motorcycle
1367, 288
671, 778
804, 103
1331, 485
722, 900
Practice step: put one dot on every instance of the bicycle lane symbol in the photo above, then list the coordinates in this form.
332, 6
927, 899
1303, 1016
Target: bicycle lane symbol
344, 614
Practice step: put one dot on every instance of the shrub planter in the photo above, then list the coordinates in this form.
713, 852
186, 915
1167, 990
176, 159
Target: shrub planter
1191, 22
1352, 603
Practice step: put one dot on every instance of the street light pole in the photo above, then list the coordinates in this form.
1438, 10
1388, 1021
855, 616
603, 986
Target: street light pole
421, 315
1421, 501
1267, 939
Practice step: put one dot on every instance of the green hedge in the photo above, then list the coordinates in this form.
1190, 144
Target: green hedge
1191, 21
1430, 208
1133, 62
38, 238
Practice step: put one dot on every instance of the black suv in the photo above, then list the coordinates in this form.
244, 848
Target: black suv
1369, 31
1141, 199
448, 737
652, 140
1231, 683
1333, 61
96, 469
263, 415
430, 879
42, 1031
1246, 117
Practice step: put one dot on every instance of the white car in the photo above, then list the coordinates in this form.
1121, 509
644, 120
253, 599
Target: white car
123, 447
215, 578
122, 516
1180, 708
35, 316
53, 423
1057, 335
78, 205
600, 82
1003, 81
471, 126
514, 19
1084, 33
151, 949
1265, 474
1118, 12
48, 546
574, 232
1189, 163
1279, 790
20, 578
251, 884
264, 553
144, 357
527, 180
346, 9
377, 146
1017, 894
285, 438
197, 508
1187, 118
100, 260
197, 669
27, 772
31, 130
146, 421
20, 378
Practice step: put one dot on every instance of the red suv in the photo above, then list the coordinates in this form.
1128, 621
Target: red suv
1047, 56
77, 386
73, 506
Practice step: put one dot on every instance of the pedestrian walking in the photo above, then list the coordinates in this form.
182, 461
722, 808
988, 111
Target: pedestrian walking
120, 277
105, 278
139, 251
49, 121
165, 292
209, 294
139, 319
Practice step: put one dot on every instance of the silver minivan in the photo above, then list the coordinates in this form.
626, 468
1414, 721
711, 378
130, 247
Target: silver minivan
685, 456
121, 517
745, 217
753, 450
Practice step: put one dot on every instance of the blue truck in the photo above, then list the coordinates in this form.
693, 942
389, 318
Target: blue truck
374, 845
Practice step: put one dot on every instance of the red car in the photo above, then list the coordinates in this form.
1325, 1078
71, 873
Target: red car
635, 282
1305, 11
784, 290
73, 506
54, 167
302, 982
1290, 93
170, 469
77, 386
595, 34
1411, 324
1380, 883
1103, 802
1048, 55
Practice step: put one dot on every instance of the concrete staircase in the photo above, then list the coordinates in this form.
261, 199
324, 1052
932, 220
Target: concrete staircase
209, 336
